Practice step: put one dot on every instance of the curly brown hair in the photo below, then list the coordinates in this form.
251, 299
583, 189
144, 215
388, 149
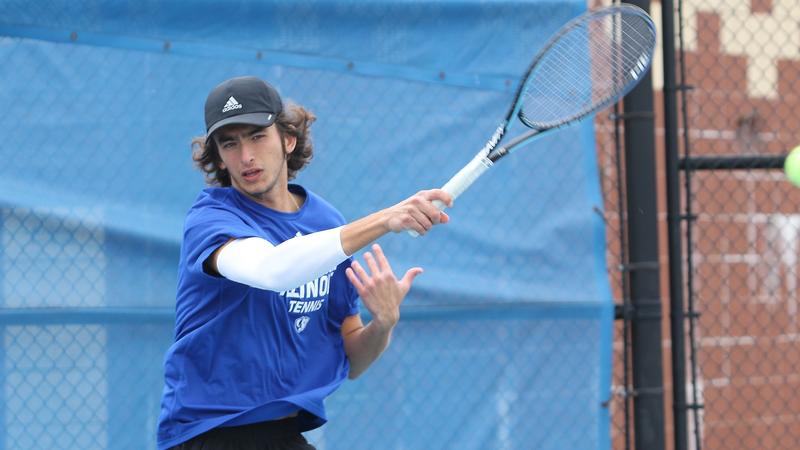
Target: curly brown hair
295, 121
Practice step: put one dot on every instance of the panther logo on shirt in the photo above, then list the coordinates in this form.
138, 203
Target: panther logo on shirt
300, 323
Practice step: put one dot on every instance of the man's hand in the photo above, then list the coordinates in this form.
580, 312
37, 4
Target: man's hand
381, 292
418, 212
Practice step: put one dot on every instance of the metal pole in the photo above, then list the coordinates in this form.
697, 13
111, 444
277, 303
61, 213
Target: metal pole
674, 228
642, 205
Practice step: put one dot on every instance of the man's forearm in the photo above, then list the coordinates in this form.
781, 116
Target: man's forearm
358, 234
364, 345
418, 213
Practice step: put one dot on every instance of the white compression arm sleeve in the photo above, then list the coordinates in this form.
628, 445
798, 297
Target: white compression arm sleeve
256, 262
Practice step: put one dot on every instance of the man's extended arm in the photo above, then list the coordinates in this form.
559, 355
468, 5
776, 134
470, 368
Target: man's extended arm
256, 262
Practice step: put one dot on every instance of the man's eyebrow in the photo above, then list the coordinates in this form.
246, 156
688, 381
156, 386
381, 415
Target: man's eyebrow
223, 136
255, 130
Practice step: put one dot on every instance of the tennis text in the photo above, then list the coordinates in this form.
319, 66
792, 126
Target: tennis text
298, 307
316, 290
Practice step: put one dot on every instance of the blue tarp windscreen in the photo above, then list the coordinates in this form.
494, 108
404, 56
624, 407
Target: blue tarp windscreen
505, 340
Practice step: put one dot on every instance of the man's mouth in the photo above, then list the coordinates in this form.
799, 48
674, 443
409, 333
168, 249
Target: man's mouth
251, 175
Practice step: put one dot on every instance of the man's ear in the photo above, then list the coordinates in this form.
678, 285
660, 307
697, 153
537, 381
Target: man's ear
291, 143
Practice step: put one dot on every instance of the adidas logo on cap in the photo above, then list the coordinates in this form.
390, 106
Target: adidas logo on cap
231, 105
243, 100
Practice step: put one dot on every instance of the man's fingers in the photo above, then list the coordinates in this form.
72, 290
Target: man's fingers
433, 212
438, 194
428, 207
360, 272
408, 278
351, 275
383, 263
373, 266
420, 212
422, 219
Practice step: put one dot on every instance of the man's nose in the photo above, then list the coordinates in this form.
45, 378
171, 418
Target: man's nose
248, 151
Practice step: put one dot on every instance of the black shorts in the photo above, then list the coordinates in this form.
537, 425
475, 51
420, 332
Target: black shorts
273, 435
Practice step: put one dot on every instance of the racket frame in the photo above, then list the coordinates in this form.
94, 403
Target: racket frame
491, 153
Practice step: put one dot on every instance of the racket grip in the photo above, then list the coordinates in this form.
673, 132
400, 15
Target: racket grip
462, 180
466, 176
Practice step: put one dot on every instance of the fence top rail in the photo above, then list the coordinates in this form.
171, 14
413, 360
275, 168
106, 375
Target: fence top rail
732, 162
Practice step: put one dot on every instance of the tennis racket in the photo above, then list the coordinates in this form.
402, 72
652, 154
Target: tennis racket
589, 63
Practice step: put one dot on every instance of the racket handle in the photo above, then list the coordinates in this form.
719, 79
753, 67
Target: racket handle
466, 176
462, 180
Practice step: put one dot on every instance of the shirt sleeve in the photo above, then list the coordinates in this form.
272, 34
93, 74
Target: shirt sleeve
207, 229
343, 296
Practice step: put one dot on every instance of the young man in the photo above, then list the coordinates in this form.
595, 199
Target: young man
267, 322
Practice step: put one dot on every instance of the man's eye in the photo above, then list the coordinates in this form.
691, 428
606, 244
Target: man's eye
258, 136
227, 145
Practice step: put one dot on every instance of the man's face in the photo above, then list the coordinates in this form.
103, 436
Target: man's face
254, 158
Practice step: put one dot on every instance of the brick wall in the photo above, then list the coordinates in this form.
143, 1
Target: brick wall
743, 59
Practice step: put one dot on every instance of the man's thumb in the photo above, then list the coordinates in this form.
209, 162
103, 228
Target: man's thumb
408, 278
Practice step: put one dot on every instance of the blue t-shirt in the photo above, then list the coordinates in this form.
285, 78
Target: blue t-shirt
241, 354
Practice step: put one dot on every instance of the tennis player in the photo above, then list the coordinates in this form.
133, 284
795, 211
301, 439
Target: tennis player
267, 320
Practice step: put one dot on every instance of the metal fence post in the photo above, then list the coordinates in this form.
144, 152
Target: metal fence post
643, 270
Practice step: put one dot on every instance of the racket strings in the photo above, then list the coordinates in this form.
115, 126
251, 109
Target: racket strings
587, 67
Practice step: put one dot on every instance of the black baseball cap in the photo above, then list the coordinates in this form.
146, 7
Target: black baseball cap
242, 100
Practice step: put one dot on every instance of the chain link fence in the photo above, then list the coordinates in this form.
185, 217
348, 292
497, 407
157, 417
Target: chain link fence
738, 117
504, 342
738, 85
611, 166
